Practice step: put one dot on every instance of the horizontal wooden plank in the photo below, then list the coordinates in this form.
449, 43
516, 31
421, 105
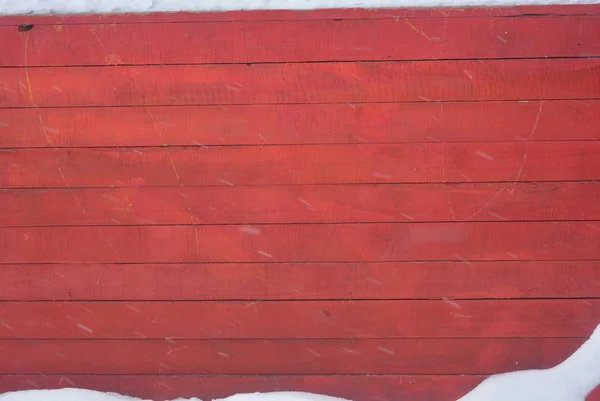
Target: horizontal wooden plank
306, 281
311, 164
302, 243
293, 15
300, 41
301, 204
167, 387
301, 124
299, 319
352, 387
369, 82
360, 357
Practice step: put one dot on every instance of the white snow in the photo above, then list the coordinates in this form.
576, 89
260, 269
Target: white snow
572, 380
72, 394
12, 7
67, 394
281, 396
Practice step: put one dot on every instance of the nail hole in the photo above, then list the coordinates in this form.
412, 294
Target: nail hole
25, 27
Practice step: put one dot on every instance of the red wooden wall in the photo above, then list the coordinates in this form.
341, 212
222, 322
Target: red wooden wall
378, 205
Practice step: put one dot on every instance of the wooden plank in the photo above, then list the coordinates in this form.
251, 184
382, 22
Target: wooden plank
524, 79
301, 204
300, 41
301, 124
167, 387
299, 319
352, 387
300, 15
312, 164
302, 243
316, 357
302, 281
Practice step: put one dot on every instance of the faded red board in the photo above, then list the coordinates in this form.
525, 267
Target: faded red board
274, 15
279, 281
548, 259
312, 164
299, 319
360, 357
167, 387
367, 82
302, 243
300, 41
301, 124
353, 387
301, 204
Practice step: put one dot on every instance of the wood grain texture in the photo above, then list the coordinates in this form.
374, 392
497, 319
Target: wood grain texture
358, 357
301, 124
301, 15
275, 195
353, 387
167, 387
484, 80
302, 243
299, 319
301, 204
312, 164
300, 41
300, 281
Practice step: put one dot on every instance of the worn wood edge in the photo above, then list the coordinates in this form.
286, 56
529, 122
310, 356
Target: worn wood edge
300, 15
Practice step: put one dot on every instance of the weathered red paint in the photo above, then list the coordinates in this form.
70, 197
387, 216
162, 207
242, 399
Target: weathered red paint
369, 208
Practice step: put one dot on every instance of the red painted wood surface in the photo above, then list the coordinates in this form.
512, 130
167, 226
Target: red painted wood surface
167, 387
523, 79
300, 319
301, 15
369, 228
301, 204
337, 356
297, 281
315, 164
302, 243
301, 124
301, 41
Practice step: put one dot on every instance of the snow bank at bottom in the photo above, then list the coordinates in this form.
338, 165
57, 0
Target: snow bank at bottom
137, 6
73, 394
67, 394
